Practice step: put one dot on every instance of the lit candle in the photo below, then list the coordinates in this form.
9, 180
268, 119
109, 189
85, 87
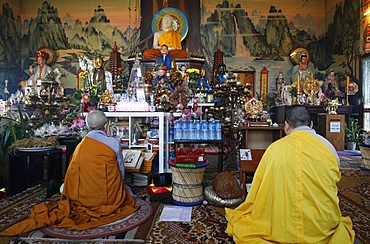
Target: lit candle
347, 82
298, 83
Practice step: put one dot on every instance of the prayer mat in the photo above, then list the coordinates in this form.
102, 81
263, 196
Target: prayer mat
349, 153
17, 208
354, 200
119, 226
350, 162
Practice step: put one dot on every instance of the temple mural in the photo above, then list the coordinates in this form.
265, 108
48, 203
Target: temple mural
252, 35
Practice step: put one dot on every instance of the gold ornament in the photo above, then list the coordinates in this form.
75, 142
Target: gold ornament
311, 87
332, 106
253, 107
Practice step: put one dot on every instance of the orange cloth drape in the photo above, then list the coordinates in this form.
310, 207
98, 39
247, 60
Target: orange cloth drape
154, 53
93, 193
172, 39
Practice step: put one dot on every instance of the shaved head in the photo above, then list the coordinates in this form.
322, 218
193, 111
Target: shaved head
297, 115
95, 120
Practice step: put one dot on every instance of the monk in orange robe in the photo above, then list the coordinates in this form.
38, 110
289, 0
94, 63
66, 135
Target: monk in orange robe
170, 38
93, 193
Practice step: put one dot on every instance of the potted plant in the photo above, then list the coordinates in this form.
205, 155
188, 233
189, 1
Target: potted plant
353, 134
13, 128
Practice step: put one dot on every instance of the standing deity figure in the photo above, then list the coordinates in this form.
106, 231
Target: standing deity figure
99, 74
331, 86
279, 84
39, 73
301, 70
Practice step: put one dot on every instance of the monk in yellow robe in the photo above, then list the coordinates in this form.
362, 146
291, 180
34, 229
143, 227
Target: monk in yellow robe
170, 38
293, 196
93, 193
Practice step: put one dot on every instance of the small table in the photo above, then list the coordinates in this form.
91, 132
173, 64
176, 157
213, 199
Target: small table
250, 166
26, 168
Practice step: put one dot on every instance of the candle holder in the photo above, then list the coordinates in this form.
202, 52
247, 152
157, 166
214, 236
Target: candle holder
347, 102
298, 99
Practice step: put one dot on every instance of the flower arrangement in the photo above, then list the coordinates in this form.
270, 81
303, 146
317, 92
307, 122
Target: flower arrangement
78, 123
293, 90
87, 95
194, 74
186, 114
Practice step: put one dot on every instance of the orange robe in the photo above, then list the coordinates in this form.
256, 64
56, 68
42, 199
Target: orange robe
172, 39
93, 194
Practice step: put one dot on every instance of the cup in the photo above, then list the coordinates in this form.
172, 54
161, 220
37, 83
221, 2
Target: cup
111, 108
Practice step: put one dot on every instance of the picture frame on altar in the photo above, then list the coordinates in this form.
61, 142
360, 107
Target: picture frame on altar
131, 158
245, 154
246, 77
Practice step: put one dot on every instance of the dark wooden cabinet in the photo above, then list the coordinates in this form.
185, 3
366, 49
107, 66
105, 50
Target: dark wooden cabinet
278, 113
260, 137
28, 168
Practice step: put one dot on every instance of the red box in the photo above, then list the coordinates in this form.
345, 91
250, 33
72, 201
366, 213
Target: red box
189, 155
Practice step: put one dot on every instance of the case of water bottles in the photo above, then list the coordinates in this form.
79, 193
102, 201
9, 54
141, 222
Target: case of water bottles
197, 130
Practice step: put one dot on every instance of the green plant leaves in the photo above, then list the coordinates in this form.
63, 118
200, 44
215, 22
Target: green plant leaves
353, 131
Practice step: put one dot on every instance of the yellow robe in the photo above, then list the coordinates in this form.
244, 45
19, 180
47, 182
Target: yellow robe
293, 196
93, 193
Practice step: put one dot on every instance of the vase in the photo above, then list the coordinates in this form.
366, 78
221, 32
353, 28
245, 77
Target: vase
351, 145
288, 100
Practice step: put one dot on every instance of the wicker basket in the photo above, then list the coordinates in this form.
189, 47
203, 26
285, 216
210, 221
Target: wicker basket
365, 152
188, 183
146, 167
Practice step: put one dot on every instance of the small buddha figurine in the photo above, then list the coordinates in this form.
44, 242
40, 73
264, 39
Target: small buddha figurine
99, 73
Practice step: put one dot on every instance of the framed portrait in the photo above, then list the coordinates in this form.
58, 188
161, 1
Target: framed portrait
131, 158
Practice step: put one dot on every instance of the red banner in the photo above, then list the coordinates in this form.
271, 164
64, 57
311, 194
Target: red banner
264, 81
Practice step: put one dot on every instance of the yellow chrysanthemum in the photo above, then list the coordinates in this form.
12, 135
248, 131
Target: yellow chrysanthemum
193, 70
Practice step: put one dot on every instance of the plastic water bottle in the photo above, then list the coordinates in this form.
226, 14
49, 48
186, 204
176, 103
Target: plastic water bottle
192, 130
198, 129
186, 129
218, 130
183, 132
204, 130
212, 130
177, 130
171, 134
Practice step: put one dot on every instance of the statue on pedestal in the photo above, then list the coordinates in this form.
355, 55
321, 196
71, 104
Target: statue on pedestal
169, 26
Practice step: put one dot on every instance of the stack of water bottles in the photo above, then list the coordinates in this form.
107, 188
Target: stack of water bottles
197, 130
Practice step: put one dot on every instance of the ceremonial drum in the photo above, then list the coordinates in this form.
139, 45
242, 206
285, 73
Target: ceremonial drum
187, 182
